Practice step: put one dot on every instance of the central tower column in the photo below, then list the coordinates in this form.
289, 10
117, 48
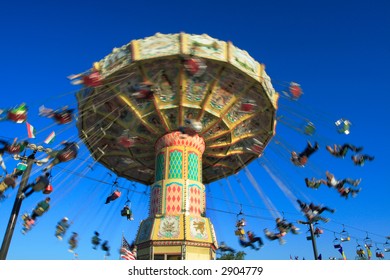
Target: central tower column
176, 227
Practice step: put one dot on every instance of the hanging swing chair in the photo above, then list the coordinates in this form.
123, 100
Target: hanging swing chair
115, 194
343, 126
368, 241
195, 66
49, 187
309, 128
68, 153
248, 106
240, 224
95, 240
318, 231
64, 116
344, 235
379, 254
386, 246
126, 210
20, 168
294, 91
18, 114
336, 241
361, 254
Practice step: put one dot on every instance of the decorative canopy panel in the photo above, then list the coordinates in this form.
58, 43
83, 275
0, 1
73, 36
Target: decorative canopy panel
233, 99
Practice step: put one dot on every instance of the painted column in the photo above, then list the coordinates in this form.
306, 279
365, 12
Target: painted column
176, 225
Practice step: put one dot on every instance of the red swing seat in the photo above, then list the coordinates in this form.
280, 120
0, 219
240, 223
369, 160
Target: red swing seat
248, 106
63, 118
48, 189
66, 155
295, 90
17, 117
93, 80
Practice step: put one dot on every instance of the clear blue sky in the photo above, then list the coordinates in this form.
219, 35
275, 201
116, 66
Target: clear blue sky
339, 51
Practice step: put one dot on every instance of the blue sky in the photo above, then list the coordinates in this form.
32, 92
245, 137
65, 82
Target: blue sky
339, 51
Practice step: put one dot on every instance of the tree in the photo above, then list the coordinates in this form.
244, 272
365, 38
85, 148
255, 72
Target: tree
240, 255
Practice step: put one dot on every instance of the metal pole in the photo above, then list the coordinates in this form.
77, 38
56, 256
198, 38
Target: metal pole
16, 208
313, 241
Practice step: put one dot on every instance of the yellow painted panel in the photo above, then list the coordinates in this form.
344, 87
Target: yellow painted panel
168, 228
167, 250
198, 229
197, 253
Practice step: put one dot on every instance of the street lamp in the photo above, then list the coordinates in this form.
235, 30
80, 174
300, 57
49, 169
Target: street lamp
313, 239
30, 160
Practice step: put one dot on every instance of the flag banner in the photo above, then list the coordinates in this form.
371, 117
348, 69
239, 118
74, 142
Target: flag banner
341, 251
126, 252
30, 130
50, 138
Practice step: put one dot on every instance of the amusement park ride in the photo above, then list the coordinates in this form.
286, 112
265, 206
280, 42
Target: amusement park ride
176, 112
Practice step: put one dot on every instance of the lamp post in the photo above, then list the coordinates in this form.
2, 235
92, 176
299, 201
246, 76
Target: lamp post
313, 239
18, 200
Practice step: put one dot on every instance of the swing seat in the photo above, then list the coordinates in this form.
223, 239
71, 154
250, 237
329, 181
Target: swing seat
195, 66
344, 239
28, 223
25, 216
143, 94
116, 194
93, 80
193, 125
48, 189
303, 160
248, 107
95, 240
295, 90
20, 168
59, 229
3, 187
66, 155
13, 149
380, 255
239, 232
258, 149
360, 252
309, 129
240, 223
63, 118
125, 141
17, 117
343, 126
39, 211
125, 212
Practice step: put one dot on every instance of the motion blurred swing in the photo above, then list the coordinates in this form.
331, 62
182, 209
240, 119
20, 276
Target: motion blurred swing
361, 254
343, 126
344, 235
336, 241
318, 230
386, 246
240, 223
115, 194
126, 210
367, 241
379, 254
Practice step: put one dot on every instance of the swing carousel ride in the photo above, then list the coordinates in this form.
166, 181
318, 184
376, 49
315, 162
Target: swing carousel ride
175, 112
